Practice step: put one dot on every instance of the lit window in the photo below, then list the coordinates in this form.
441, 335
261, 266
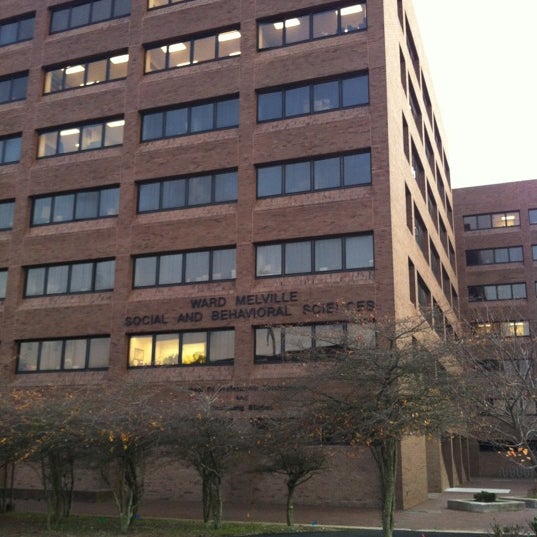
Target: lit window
489, 221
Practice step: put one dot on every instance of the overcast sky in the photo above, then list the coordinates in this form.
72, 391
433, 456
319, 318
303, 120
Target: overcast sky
482, 57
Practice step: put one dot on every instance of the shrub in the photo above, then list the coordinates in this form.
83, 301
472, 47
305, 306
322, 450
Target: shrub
485, 496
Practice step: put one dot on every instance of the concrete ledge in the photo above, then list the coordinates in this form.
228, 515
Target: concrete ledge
486, 507
530, 502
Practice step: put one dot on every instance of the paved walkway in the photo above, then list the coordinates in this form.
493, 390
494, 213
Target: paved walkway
429, 516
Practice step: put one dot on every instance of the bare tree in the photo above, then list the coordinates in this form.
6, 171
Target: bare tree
386, 381
291, 447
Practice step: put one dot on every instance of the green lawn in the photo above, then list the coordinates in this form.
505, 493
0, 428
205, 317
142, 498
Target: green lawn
33, 525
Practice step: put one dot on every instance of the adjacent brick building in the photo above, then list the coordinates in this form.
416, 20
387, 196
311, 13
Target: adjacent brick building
179, 174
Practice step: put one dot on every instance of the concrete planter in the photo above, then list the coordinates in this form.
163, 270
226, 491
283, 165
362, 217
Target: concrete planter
486, 507
530, 503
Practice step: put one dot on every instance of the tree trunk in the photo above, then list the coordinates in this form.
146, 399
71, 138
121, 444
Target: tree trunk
385, 455
290, 491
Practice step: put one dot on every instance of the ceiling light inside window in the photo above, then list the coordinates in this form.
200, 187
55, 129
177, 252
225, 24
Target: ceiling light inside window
69, 132
351, 10
124, 58
289, 23
118, 123
74, 69
176, 47
229, 36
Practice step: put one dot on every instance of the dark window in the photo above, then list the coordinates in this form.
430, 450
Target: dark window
13, 88
279, 344
71, 278
187, 120
193, 51
73, 354
420, 233
311, 175
532, 213
17, 30
70, 207
424, 299
6, 214
81, 138
3, 283
534, 252
504, 291
313, 98
489, 221
354, 252
86, 73
10, 149
297, 29
176, 268
489, 256
184, 192
213, 347
91, 12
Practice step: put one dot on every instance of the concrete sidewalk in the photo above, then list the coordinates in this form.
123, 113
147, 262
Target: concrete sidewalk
429, 516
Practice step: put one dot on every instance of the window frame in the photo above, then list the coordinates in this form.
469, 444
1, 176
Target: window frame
18, 20
532, 216
75, 193
282, 20
10, 202
310, 86
69, 266
85, 63
504, 215
3, 140
3, 283
344, 258
311, 164
12, 79
102, 123
64, 341
180, 346
495, 252
191, 40
184, 254
69, 8
479, 293
188, 108
187, 179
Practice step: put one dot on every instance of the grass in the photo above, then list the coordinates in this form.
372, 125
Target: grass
33, 525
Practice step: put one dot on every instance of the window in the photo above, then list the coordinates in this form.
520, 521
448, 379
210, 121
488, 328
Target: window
81, 138
532, 213
6, 214
281, 32
193, 119
504, 291
489, 221
311, 175
534, 252
424, 299
90, 12
297, 343
353, 252
313, 98
15, 31
505, 328
176, 268
73, 354
489, 256
193, 51
161, 3
13, 88
180, 193
3, 283
213, 347
86, 73
420, 233
71, 278
10, 149
74, 206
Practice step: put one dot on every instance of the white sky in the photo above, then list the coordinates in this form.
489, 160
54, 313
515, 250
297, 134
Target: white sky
482, 58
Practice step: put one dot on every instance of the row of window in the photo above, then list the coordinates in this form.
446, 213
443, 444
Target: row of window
192, 51
335, 21
490, 256
86, 73
503, 328
70, 278
343, 92
489, 221
189, 267
342, 171
504, 291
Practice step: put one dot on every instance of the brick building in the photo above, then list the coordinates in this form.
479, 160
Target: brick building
178, 174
